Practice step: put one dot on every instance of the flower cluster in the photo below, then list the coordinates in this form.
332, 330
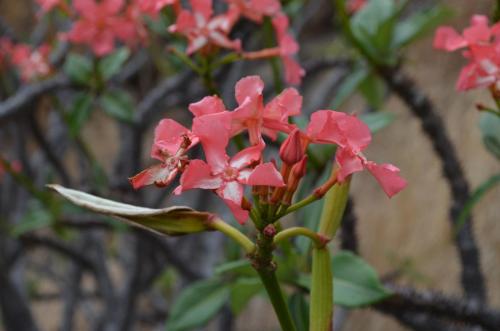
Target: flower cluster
214, 126
31, 63
206, 31
481, 47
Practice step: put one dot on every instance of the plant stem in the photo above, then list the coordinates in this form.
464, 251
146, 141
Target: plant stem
234, 234
299, 231
268, 278
321, 307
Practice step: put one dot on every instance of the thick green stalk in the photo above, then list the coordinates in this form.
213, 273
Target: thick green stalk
262, 261
333, 209
321, 307
268, 278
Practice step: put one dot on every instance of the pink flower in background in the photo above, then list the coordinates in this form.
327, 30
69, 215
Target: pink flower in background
355, 5
481, 45
100, 24
15, 166
203, 29
255, 10
153, 7
31, 63
5, 49
171, 143
288, 48
225, 175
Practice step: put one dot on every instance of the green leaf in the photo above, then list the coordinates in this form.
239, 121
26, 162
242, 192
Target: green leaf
373, 90
36, 217
197, 304
299, 309
378, 120
349, 85
419, 24
490, 129
78, 68
476, 196
240, 267
242, 291
79, 112
373, 27
355, 282
168, 221
118, 104
112, 64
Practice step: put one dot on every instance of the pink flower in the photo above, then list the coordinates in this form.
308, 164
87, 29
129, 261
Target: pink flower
225, 175
31, 63
48, 5
100, 24
15, 165
153, 7
351, 136
288, 48
251, 114
202, 29
355, 5
171, 143
482, 44
255, 10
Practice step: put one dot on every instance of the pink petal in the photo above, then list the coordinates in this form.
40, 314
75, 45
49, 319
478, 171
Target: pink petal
159, 174
267, 7
388, 177
448, 39
185, 21
223, 41
352, 132
232, 194
247, 156
111, 7
478, 31
207, 105
293, 71
198, 174
287, 103
250, 86
213, 132
280, 24
348, 162
203, 7
86, 8
266, 174
169, 137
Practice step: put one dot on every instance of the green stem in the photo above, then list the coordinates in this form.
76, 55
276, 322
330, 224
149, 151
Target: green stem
234, 234
299, 231
271, 42
268, 278
333, 209
321, 307
298, 205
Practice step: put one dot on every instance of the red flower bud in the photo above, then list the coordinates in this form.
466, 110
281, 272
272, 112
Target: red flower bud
291, 151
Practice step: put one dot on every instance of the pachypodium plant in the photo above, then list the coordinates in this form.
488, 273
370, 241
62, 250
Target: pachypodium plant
271, 186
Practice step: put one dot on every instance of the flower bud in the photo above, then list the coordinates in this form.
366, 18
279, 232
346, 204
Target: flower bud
291, 151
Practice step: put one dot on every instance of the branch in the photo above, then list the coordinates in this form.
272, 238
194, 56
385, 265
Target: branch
432, 124
16, 103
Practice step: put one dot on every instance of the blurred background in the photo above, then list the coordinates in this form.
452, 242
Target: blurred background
78, 271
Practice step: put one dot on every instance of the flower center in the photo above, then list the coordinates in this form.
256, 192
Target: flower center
230, 174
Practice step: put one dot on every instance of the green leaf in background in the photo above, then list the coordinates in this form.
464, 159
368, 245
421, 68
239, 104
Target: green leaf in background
419, 24
118, 104
242, 291
373, 27
79, 112
78, 68
112, 64
355, 282
36, 217
373, 90
349, 85
490, 129
299, 309
240, 267
475, 197
378, 120
197, 304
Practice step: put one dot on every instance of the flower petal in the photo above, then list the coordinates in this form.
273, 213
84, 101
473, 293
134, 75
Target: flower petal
198, 174
159, 174
207, 105
250, 86
266, 174
388, 177
247, 156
